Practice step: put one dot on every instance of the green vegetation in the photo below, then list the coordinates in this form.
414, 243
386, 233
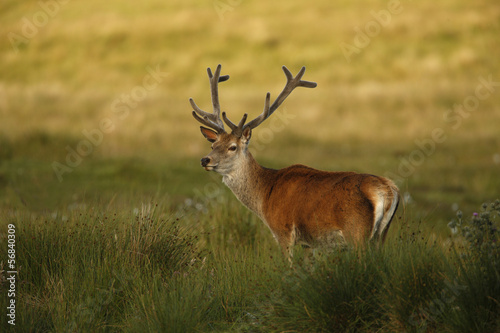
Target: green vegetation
95, 131
96, 270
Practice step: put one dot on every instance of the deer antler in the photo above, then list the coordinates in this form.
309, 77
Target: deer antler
211, 120
291, 84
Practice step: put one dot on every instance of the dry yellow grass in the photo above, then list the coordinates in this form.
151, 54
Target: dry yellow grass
427, 58
86, 57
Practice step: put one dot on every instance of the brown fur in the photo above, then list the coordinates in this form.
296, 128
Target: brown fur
304, 205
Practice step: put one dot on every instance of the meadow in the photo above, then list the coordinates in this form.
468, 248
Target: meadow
118, 228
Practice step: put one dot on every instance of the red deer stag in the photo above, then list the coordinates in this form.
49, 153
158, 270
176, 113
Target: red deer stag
299, 204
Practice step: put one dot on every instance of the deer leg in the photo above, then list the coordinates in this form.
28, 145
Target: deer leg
286, 244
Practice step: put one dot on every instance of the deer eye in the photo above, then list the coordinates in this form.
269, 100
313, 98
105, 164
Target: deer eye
232, 148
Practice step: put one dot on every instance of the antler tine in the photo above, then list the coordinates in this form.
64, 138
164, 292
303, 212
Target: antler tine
228, 122
263, 116
213, 119
291, 84
207, 122
214, 88
236, 129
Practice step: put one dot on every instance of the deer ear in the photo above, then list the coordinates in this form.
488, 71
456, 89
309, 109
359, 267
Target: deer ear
209, 134
246, 134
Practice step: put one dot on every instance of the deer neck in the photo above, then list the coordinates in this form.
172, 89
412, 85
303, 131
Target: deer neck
249, 181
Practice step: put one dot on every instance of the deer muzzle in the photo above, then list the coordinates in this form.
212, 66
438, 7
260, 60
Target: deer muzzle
206, 163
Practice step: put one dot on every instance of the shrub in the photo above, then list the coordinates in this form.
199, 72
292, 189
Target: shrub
477, 306
481, 232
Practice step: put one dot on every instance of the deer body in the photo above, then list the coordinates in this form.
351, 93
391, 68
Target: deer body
299, 204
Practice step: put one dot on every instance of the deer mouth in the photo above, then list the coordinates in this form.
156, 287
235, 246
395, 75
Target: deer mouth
210, 167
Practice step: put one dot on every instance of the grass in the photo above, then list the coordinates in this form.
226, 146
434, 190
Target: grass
96, 254
150, 270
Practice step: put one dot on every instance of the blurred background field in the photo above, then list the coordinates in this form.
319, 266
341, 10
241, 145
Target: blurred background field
67, 66
129, 233
365, 115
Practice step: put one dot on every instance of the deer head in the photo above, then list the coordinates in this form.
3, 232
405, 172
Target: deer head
230, 149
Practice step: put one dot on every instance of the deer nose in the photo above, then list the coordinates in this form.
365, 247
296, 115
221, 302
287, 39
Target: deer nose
205, 161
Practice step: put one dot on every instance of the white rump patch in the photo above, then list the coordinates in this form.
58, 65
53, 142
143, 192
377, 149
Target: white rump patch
378, 222
388, 216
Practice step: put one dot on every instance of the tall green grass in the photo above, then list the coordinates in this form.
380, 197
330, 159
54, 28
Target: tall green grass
76, 271
365, 115
97, 270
